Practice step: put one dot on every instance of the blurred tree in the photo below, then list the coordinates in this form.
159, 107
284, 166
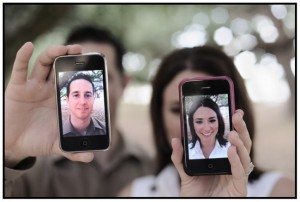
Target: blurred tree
145, 28
25, 23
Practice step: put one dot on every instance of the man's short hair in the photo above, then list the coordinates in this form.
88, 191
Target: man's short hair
79, 76
98, 34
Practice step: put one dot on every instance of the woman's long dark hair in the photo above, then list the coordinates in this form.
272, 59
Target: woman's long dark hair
204, 59
206, 102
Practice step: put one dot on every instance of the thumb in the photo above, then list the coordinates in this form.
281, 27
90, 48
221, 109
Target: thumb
85, 157
20, 67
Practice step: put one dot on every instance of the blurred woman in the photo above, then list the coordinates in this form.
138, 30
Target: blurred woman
170, 179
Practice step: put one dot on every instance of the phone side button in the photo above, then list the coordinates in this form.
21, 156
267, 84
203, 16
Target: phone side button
84, 143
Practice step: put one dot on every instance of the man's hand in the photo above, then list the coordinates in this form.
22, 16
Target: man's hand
31, 127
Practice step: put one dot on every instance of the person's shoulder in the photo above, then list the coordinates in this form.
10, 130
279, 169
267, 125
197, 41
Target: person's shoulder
126, 191
284, 187
142, 158
139, 187
97, 123
272, 184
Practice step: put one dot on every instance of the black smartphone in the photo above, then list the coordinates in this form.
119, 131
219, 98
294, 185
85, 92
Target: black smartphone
82, 102
207, 105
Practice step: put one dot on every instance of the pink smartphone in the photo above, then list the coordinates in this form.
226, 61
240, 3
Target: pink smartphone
207, 105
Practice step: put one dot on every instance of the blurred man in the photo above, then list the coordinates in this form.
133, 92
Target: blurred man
57, 176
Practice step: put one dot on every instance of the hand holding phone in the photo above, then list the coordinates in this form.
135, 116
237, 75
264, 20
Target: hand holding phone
30, 109
207, 105
82, 102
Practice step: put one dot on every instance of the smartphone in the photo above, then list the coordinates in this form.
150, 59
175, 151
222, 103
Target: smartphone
82, 102
206, 108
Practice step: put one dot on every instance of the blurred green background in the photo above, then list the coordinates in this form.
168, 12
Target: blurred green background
261, 37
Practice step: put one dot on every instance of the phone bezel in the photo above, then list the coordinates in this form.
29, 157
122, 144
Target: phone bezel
191, 86
84, 62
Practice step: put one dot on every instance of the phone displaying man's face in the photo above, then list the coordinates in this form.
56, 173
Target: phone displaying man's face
82, 100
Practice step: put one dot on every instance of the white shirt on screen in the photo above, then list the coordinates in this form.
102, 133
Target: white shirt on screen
218, 151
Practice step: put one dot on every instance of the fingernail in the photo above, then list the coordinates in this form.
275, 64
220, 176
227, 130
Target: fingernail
240, 112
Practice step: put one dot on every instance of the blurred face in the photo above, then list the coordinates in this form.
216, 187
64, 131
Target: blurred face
171, 108
81, 99
116, 81
205, 123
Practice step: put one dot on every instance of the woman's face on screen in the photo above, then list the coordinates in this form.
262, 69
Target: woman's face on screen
205, 123
171, 105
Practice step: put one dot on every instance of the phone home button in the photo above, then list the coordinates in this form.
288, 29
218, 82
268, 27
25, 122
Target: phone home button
84, 143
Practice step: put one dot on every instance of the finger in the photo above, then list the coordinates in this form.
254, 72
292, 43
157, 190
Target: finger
85, 157
244, 157
176, 157
74, 49
71, 50
43, 64
237, 170
241, 128
20, 67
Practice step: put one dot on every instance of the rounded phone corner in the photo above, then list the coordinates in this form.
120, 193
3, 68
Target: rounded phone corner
188, 171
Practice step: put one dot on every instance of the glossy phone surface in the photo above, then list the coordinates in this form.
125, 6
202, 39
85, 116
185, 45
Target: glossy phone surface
207, 105
82, 102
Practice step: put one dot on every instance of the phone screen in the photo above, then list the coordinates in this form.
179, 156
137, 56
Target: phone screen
82, 102
208, 123
83, 98
206, 110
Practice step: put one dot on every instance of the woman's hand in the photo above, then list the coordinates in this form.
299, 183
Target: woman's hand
31, 127
234, 185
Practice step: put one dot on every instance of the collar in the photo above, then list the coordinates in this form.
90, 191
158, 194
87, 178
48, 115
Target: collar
197, 151
96, 123
217, 145
68, 127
